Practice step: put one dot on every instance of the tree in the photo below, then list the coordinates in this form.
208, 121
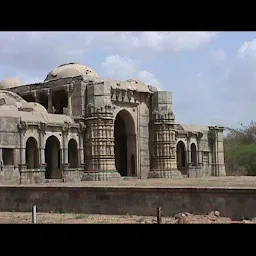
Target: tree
240, 150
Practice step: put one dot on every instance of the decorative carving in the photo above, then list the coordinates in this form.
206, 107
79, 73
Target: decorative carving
129, 94
42, 127
69, 88
123, 93
81, 127
118, 93
112, 94
200, 135
190, 134
22, 126
65, 127
136, 96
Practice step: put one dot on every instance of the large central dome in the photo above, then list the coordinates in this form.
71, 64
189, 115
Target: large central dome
70, 70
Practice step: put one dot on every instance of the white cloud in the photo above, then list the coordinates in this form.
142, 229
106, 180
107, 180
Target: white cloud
200, 80
155, 42
147, 77
219, 54
239, 90
35, 53
247, 50
124, 68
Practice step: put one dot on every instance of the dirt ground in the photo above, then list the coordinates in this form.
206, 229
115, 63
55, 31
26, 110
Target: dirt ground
57, 218
224, 182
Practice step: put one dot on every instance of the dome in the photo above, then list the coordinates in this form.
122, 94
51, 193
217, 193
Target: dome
9, 83
11, 98
70, 70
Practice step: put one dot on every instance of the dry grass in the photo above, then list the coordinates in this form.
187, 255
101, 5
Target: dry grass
66, 218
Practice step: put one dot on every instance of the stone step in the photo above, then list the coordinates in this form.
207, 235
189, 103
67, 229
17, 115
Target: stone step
54, 180
129, 178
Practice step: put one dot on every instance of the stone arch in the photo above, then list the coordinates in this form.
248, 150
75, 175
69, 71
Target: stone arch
53, 158
125, 144
32, 153
193, 154
73, 153
181, 157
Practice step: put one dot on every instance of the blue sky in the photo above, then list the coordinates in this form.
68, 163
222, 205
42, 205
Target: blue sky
212, 75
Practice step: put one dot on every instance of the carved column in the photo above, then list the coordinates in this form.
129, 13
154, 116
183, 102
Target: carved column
163, 146
81, 131
22, 127
35, 95
99, 143
49, 95
65, 130
69, 89
42, 129
199, 151
189, 160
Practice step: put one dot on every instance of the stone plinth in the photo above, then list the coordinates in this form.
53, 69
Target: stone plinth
100, 176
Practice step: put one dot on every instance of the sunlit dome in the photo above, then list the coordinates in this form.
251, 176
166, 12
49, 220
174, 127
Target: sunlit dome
70, 70
9, 83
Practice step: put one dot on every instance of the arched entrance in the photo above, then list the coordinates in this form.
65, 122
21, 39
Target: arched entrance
32, 155
72, 154
53, 158
181, 157
125, 144
193, 154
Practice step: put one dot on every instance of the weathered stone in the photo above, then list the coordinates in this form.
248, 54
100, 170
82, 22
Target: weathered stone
76, 126
215, 213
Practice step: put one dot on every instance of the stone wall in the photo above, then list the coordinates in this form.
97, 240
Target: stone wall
234, 203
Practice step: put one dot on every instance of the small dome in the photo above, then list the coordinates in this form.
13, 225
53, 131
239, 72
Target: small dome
70, 70
10, 98
9, 83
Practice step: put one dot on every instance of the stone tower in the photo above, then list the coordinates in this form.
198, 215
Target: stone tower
163, 162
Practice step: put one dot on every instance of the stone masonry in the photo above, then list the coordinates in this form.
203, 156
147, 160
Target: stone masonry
76, 126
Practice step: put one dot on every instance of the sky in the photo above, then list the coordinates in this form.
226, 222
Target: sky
212, 75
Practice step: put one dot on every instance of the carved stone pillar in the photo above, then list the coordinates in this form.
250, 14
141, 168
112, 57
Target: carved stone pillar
199, 151
69, 89
35, 95
42, 129
163, 147
81, 131
189, 160
49, 95
99, 144
65, 130
22, 127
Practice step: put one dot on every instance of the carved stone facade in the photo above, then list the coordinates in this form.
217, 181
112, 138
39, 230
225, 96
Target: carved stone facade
75, 126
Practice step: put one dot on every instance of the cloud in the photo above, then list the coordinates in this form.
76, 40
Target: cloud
239, 90
154, 42
219, 54
35, 53
124, 68
201, 80
247, 50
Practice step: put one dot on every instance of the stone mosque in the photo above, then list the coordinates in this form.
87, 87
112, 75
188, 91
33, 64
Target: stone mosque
77, 126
